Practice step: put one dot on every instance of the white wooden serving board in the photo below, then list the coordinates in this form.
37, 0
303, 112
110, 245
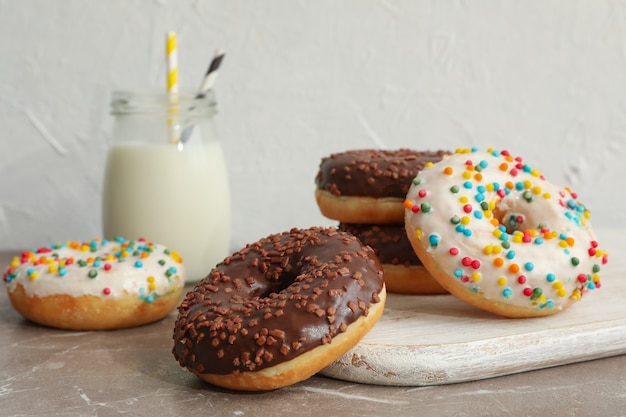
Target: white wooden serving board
433, 340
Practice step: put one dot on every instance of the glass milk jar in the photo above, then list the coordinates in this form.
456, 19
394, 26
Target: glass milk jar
165, 178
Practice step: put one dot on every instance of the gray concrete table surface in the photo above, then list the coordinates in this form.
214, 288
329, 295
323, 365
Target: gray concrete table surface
45, 372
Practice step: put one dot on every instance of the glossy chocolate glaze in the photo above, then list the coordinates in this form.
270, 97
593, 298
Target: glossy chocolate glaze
389, 242
373, 173
276, 299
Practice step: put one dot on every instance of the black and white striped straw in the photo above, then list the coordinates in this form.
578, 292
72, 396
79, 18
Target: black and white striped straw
207, 83
211, 74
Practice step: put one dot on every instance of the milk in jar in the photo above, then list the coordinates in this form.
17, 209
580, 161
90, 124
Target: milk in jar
172, 193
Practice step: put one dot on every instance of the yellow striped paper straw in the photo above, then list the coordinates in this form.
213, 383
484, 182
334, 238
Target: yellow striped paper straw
171, 56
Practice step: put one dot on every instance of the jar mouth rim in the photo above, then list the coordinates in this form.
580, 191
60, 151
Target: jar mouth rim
134, 102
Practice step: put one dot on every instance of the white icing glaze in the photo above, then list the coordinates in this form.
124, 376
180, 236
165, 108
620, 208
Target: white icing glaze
106, 269
559, 263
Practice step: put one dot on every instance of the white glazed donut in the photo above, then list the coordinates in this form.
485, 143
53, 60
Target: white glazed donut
496, 234
96, 285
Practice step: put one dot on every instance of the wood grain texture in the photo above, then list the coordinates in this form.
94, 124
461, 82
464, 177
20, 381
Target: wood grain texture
432, 340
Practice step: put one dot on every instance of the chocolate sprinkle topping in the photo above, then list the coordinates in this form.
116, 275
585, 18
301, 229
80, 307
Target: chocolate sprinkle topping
276, 299
373, 173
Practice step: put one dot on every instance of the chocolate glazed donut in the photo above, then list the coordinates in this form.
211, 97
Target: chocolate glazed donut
279, 310
403, 270
369, 186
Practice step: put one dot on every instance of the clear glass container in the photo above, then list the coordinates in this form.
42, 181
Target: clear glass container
166, 179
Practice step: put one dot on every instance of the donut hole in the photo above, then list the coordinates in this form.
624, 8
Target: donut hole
512, 221
514, 214
285, 270
275, 286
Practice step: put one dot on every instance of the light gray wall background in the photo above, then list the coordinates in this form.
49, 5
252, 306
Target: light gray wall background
302, 79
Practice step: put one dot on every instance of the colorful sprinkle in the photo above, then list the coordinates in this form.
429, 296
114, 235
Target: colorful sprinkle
53, 263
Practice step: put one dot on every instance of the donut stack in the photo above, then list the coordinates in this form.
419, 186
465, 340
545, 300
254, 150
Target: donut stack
365, 190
